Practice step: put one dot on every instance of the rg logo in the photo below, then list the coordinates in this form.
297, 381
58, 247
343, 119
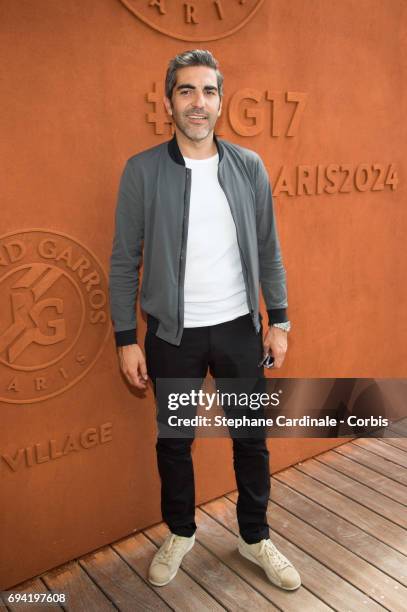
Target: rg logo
54, 320
36, 320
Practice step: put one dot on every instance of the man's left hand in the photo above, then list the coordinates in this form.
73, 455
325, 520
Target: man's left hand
275, 342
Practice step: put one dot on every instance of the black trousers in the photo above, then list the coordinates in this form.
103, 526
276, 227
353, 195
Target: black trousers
229, 350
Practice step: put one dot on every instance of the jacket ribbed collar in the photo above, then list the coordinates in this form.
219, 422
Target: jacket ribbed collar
176, 155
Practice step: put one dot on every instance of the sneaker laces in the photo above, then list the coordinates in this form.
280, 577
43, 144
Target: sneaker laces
169, 549
278, 560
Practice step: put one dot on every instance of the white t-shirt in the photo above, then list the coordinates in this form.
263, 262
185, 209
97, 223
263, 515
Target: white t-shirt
214, 289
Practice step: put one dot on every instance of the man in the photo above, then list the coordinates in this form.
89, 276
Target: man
203, 209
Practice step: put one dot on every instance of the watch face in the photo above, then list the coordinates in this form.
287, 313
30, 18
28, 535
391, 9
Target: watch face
199, 20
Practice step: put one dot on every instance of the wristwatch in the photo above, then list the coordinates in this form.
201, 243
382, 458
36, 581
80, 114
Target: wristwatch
286, 326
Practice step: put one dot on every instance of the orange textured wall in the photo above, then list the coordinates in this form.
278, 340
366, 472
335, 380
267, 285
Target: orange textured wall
318, 89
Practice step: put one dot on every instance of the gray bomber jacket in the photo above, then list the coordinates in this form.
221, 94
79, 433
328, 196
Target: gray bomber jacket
153, 211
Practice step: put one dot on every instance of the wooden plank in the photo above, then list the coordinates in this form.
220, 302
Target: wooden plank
227, 587
33, 586
349, 487
222, 543
350, 536
395, 472
383, 450
399, 442
345, 507
120, 583
365, 476
180, 594
82, 594
316, 576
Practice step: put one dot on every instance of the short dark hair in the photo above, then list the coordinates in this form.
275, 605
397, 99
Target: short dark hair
196, 57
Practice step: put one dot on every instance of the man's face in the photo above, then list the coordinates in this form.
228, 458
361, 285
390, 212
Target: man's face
195, 104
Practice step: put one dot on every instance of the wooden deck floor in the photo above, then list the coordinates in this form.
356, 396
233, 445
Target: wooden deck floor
339, 517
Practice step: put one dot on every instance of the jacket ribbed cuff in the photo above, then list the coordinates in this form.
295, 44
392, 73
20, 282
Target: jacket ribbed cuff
277, 315
128, 336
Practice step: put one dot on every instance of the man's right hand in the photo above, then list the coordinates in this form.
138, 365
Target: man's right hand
133, 365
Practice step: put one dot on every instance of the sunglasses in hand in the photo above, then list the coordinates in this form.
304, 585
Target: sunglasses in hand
267, 361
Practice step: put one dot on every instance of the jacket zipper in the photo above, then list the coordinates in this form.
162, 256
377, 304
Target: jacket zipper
183, 245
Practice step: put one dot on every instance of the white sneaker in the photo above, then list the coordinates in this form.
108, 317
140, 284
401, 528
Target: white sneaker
168, 557
280, 571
